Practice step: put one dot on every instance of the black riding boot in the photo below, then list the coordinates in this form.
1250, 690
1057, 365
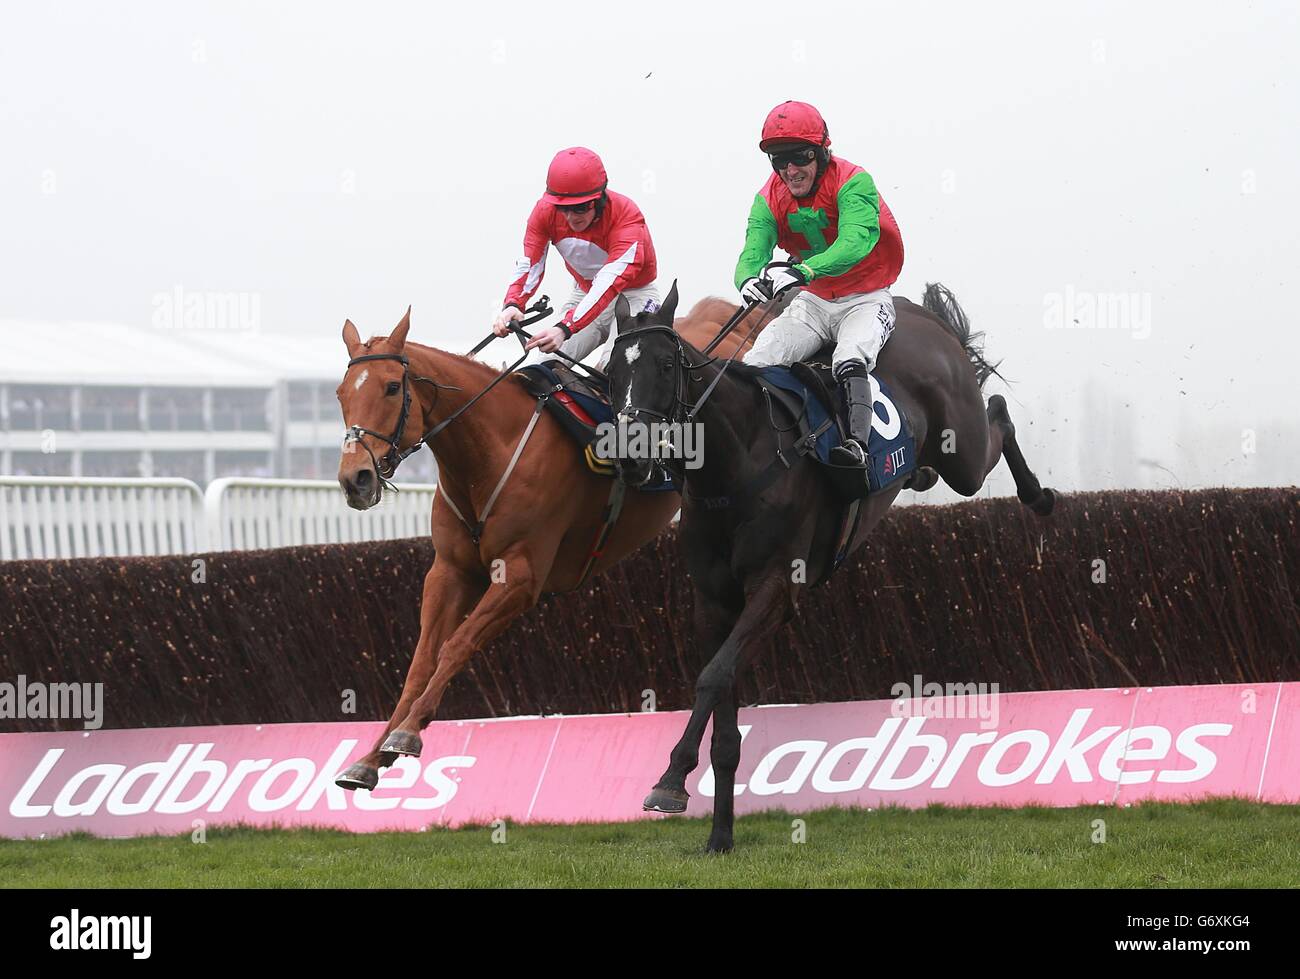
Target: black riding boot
855, 389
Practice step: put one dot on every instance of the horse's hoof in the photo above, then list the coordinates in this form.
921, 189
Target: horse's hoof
1044, 504
720, 846
403, 743
665, 800
359, 776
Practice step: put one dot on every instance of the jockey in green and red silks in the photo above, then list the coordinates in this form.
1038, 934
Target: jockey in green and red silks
827, 214
606, 246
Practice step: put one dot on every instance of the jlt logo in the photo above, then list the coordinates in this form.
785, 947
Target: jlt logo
895, 460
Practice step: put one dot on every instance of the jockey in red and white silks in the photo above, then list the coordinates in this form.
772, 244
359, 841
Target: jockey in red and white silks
603, 239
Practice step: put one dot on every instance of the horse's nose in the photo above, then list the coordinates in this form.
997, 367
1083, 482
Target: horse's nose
358, 483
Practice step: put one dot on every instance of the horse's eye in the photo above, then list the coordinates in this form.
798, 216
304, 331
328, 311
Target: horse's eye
392, 388
665, 365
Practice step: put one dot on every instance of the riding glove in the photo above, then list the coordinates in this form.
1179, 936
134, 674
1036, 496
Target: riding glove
785, 277
755, 290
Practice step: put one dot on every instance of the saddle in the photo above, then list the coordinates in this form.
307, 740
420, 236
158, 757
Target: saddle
580, 404
808, 395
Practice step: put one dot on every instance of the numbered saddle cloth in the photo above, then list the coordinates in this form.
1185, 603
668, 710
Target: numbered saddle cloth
811, 396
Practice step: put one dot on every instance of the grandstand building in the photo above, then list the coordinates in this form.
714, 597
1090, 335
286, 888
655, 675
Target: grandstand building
97, 399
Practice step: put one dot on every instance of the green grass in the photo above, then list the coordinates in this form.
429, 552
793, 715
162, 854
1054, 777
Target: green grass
1218, 843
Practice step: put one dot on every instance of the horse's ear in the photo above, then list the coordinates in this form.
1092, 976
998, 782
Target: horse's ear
668, 308
351, 338
622, 310
397, 339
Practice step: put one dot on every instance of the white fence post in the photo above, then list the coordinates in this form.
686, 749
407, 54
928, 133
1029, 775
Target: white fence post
60, 517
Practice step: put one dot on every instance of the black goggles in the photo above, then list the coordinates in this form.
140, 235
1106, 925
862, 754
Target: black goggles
582, 208
800, 157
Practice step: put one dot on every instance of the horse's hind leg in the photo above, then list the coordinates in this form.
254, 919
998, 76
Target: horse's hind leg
1002, 441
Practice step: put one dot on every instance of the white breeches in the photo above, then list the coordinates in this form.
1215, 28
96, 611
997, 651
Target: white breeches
597, 332
857, 325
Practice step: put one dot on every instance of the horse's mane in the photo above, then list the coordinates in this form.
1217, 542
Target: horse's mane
486, 369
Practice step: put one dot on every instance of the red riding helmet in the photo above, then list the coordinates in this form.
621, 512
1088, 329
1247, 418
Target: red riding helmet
576, 176
795, 122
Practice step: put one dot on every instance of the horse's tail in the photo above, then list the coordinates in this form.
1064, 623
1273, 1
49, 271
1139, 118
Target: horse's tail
943, 304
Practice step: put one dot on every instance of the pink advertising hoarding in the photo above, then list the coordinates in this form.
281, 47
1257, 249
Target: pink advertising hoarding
1115, 746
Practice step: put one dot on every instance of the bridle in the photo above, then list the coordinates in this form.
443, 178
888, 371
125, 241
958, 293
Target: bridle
684, 411
386, 465
680, 410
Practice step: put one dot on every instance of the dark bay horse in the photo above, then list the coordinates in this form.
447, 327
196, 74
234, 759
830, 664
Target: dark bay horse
743, 556
539, 535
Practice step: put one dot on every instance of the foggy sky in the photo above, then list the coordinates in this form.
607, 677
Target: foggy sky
343, 161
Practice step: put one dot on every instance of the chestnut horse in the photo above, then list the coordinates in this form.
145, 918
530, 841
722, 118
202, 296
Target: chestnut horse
543, 524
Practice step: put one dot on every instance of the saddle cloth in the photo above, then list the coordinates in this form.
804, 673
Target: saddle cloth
580, 404
811, 397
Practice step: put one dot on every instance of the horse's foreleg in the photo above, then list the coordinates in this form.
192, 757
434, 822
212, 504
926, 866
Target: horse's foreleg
767, 608
447, 597
772, 605
724, 753
516, 591
714, 621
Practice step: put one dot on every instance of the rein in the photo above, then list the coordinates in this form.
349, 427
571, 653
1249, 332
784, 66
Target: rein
386, 465
682, 365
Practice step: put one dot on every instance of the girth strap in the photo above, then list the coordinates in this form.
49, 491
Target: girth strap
476, 529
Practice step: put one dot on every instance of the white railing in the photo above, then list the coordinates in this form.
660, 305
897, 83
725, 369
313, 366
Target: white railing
243, 514
58, 517
46, 517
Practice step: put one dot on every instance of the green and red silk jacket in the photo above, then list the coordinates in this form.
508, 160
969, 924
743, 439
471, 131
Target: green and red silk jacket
843, 237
